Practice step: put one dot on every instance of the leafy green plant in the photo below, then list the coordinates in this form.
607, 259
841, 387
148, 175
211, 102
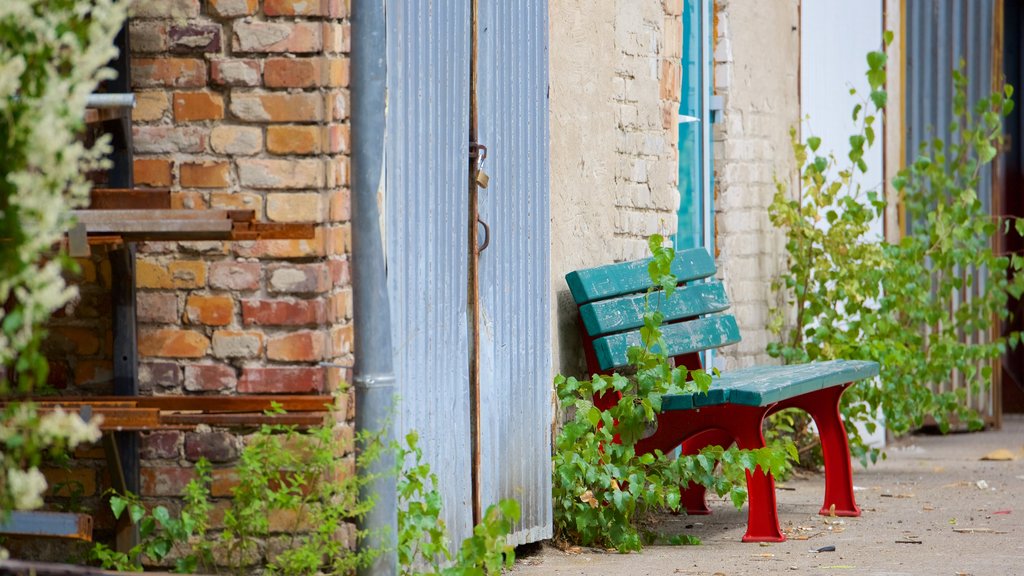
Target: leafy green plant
601, 487
161, 533
901, 304
423, 537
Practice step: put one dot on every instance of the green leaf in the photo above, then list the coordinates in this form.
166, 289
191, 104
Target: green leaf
813, 143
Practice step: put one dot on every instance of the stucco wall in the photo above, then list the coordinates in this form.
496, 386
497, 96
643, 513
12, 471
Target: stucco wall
614, 75
757, 55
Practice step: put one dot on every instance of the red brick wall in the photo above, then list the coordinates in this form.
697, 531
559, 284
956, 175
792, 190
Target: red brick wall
243, 104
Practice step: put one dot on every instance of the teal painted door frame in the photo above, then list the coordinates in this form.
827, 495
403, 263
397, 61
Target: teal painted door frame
696, 198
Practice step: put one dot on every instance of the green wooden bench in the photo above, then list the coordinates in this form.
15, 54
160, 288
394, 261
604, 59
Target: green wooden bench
611, 307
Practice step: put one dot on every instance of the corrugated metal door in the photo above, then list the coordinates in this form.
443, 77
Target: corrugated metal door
427, 242
515, 350
939, 34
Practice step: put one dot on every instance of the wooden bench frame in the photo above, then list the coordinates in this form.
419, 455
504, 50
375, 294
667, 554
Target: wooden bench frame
610, 302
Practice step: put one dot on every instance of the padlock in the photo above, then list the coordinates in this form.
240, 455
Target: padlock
482, 178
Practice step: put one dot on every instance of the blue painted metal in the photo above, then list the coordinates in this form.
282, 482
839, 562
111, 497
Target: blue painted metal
515, 311
427, 242
694, 138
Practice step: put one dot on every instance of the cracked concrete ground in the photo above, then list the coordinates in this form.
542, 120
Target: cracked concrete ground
934, 507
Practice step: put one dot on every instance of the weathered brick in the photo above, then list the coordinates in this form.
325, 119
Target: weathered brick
238, 201
214, 446
79, 341
172, 343
165, 9
197, 106
283, 312
280, 174
338, 136
294, 8
236, 140
337, 37
340, 306
341, 339
304, 346
209, 310
150, 106
160, 307
161, 444
298, 278
233, 8
338, 239
292, 139
234, 344
90, 373
209, 377
235, 72
258, 380
193, 37
276, 107
187, 273
340, 205
282, 249
168, 139
186, 200
292, 72
204, 175
148, 36
152, 172
235, 275
159, 374
170, 72
294, 207
291, 37
164, 480
224, 481
67, 481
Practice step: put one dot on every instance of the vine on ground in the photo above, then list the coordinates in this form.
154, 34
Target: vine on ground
602, 489
906, 305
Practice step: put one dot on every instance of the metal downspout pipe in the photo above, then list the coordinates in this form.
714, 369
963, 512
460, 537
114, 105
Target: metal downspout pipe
374, 378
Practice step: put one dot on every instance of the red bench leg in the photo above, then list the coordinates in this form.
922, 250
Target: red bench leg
823, 406
762, 513
694, 495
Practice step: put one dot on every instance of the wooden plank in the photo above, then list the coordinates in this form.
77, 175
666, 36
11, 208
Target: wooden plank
116, 216
175, 419
273, 231
680, 338
627, 312
630, 277
244, 403
170, 228
129, 198
48, 525
763, 385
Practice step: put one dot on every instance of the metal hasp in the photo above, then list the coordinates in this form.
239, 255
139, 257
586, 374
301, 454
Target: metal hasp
374, 378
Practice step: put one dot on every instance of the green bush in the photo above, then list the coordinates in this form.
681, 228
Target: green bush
856, 297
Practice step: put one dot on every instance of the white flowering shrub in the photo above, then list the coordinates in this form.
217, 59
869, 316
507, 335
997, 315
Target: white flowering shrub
53, 54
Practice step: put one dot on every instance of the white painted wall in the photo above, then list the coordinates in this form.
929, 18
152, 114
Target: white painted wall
836, 36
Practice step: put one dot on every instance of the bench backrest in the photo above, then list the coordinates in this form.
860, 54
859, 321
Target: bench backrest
611, 304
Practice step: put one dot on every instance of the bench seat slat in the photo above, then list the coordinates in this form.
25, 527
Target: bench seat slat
763, 385
627, 312
681, 338
630, 277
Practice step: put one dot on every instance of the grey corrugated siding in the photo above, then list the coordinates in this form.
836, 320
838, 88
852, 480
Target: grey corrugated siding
515, 363
427, 212
939, 34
